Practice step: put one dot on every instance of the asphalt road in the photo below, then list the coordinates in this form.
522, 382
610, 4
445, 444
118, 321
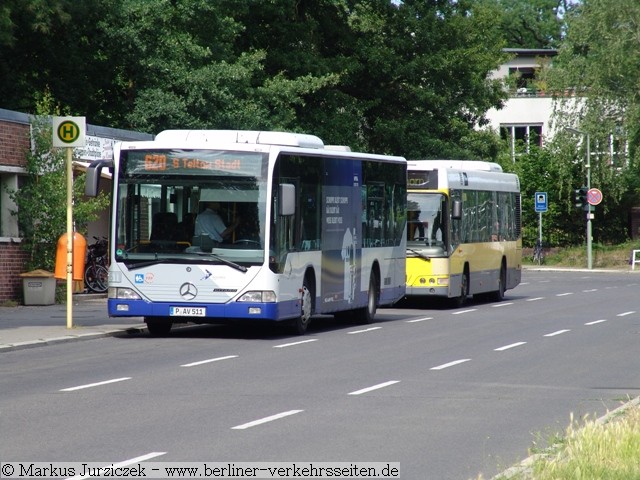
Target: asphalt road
448, 393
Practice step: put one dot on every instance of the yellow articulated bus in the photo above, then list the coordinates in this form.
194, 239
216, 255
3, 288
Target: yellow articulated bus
463, 230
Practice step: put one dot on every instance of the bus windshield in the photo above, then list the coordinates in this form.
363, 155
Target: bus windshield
162, 192
426, 225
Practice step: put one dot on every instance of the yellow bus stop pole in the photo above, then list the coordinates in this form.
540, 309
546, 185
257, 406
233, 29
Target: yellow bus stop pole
69, 237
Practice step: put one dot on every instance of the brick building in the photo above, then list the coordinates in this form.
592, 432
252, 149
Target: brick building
15, 128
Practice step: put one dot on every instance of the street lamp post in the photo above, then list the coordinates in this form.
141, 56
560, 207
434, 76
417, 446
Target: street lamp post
589, 214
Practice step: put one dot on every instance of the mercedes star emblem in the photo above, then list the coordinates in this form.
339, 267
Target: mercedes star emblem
188, 291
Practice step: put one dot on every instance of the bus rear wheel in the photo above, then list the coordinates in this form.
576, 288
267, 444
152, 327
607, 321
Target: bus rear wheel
498, 295
366, 315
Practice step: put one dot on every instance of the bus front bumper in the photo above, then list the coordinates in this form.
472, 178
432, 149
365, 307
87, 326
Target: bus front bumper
202, 313
423, 291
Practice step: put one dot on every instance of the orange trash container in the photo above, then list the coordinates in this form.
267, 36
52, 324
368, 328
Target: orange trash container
79, 253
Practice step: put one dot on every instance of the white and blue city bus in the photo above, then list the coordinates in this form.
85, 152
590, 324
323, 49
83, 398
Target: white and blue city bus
323, 230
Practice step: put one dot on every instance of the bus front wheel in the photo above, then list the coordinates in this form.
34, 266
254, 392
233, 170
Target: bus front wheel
302, 322
158, 327
464, 290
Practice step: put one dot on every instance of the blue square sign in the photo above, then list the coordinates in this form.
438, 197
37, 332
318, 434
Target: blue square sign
541, 201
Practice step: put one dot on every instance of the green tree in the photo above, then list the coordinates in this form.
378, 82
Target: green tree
42, 198
600, 62
595, 82
545, 170
405, 77
49, 45
532, 23
178, 66
413, 76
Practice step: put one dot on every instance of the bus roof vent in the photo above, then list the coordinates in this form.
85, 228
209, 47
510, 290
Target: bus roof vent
457, 164
289, 139
338, 148
242, 136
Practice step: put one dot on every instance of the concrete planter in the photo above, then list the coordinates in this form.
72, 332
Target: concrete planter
39, 287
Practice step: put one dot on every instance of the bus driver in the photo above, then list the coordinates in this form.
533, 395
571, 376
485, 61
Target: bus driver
209, 222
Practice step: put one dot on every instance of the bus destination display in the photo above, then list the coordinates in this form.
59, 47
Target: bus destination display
177, 162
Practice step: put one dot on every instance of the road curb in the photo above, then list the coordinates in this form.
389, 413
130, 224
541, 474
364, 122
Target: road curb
10, 347
540, 268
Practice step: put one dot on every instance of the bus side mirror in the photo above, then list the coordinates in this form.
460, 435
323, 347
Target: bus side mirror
94, 171
287, 199
456, 210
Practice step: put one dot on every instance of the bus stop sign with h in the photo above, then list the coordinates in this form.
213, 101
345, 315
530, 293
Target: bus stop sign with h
69, 132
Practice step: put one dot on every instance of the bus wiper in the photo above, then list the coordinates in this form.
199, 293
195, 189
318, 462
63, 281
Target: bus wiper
242, 268
418, 254
149, 263
157, 260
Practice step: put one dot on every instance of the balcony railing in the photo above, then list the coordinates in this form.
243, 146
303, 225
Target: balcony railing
538, 93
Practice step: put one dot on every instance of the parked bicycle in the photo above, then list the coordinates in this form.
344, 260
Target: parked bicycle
538, 253
96, 271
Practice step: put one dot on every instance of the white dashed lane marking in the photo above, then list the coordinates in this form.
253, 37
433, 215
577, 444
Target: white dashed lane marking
293, 344
510, 346
374, 387
415, 320
353, 332
450, 364
210, 360
97, 384
595, 322
559, 332
271, 418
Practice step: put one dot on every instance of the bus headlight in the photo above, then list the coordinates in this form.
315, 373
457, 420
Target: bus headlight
123, 293
263, 296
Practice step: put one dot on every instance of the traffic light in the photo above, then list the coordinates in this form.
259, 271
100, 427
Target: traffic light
581, 197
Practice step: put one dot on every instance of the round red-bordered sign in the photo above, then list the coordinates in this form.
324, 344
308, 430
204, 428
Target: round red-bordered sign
594, 196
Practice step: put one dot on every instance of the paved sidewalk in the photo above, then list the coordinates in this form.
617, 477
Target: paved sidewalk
32, 326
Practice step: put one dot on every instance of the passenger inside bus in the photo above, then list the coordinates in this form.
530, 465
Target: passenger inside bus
416, 228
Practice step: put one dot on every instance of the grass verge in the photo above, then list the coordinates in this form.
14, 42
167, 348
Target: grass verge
604, 449
603, 256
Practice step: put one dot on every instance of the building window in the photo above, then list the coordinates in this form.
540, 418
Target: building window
9, 181
521, 137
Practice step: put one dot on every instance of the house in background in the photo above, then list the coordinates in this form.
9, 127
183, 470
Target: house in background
15, 129
527, 113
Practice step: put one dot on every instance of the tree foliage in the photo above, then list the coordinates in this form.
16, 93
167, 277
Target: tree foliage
600, 61
407, 77
532, 23
595, 81
403, 77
